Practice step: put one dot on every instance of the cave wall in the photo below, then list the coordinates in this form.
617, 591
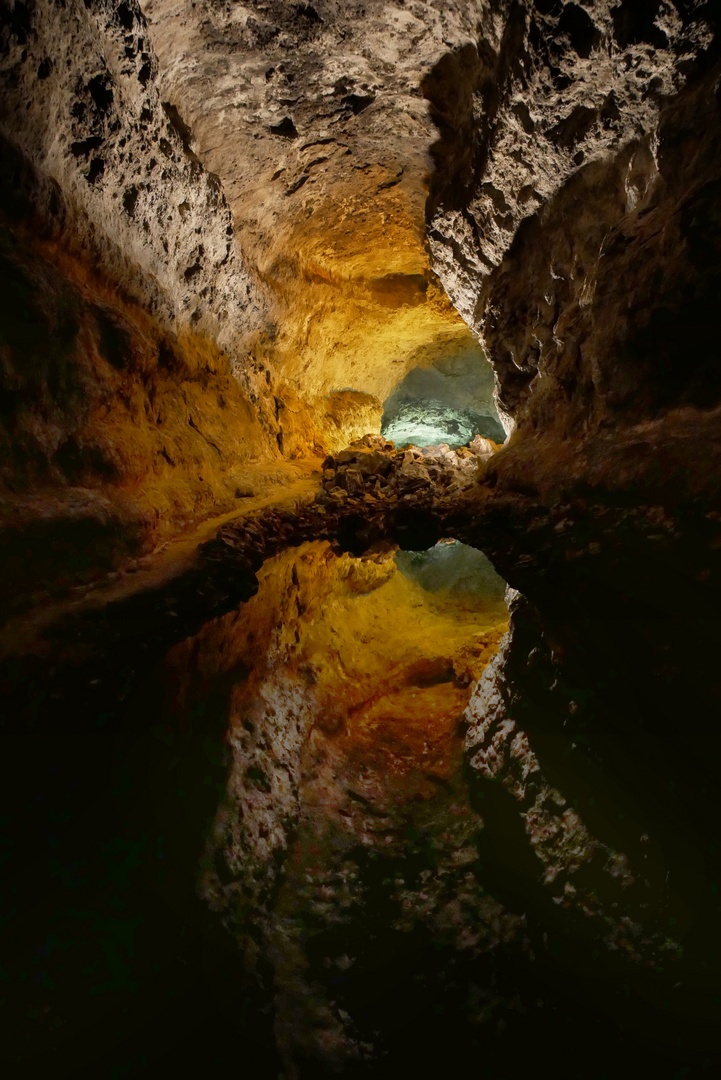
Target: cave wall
117, 179
131, 403
574, 125
573, 219
116, 435
221, 269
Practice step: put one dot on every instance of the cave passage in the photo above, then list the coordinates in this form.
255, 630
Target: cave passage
448, 402
337, 738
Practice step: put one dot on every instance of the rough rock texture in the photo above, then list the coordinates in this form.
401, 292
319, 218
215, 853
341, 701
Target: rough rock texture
625, 909
115, 434
449, 401
312, 116
574, 220
371, 470
345, 767
537, 892
130, 408
349, 853
569, 134
115, 177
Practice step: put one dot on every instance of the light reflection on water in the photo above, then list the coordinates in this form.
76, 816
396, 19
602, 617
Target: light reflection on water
454, 569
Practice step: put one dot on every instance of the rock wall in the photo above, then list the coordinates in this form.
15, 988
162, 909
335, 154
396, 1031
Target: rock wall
573, 220
130, 404
567, 129
116, 178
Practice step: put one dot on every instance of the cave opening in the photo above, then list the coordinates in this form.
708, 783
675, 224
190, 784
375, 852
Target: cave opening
450, 401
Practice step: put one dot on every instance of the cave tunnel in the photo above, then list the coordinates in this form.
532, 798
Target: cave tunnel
360, 477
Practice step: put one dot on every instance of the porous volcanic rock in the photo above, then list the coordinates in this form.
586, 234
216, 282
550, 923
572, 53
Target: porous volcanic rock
115, 177
572, 218
564, 128
130, 405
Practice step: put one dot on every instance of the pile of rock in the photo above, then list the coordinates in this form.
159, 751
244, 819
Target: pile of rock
371, 469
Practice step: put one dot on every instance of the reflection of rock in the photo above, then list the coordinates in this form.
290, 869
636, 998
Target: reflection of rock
346, 840
581, 874
340, 755
454, 569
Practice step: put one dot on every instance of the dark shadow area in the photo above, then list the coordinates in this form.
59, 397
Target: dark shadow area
112, 964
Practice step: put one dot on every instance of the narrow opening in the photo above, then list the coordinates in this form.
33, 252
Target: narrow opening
449, 402
456, 573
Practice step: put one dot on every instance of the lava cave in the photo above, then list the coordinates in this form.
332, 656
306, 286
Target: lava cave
360, 534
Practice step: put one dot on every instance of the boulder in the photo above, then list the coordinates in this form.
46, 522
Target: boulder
412, 476
482, 448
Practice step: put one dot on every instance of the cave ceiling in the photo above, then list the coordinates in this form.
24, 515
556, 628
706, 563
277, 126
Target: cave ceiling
314, 120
